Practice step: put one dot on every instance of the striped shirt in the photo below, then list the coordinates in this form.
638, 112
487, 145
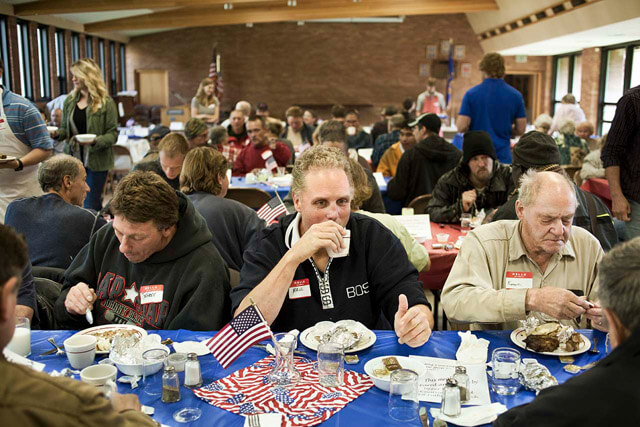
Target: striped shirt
25, 121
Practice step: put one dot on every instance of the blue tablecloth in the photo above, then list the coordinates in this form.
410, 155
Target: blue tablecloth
239, 182
369, 409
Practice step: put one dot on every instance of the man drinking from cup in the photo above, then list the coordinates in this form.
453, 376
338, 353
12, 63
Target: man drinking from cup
299, 271
35, 398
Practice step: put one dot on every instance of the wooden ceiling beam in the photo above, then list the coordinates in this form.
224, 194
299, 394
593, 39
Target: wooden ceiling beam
306, 10
53, 7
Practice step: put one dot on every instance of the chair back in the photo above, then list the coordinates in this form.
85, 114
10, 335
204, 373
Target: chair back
47, 292
255, 198
419, 204
123, 161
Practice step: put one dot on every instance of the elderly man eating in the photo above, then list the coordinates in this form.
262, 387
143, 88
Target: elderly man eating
297, 273
538, 265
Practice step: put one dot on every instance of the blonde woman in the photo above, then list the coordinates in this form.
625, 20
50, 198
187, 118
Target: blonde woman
205, 106
89, 110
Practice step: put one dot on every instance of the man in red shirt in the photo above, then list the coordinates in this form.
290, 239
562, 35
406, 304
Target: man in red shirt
260, 153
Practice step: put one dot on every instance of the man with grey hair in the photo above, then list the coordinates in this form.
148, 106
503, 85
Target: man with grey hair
286, 267
538, 265
46, 220
612, 383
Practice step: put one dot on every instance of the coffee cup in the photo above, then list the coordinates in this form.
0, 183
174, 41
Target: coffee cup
101, 376
344, 251
81, 350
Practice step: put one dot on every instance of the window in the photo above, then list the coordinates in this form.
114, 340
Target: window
620, 71
61, 60
101, 57
123, 71
567, 78
89, 47
112, 64
75, 47
6, 76
24, 56
43, 60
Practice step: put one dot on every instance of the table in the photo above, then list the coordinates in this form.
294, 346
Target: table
371, 406
137, 148
441, 259
599, 187
240, 182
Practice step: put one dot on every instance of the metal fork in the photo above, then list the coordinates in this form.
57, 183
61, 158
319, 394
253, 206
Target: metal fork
253, 420
594, 347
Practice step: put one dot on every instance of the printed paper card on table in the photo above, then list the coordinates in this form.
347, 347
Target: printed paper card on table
418, 226
438, 370
248, 391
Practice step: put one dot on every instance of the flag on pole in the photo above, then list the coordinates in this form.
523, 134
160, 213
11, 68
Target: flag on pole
272, 210
244, 330
450, 79
216, 75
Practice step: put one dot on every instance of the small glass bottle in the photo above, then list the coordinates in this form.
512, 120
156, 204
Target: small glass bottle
463, 383
192, 373
170, 385
451, 399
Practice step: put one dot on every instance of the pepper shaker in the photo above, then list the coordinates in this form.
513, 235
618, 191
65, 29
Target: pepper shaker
451, 399
463, 383
192, 373
170, 385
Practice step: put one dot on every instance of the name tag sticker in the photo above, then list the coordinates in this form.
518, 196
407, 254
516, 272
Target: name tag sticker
299, 289
151, 294
266, 154
519, 280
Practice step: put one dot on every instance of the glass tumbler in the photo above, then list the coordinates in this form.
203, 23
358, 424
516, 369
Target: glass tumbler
153, 363
330, 365
21, 341
403, 395
505, 378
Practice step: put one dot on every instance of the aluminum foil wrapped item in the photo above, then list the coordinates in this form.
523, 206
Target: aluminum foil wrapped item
344, 332
530, 323
534, 376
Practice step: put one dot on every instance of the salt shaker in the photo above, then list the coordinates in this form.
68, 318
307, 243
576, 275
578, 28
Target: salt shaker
463, 383
451, 399
170, 385
192, 374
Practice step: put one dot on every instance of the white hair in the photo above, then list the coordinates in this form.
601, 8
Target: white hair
532, 181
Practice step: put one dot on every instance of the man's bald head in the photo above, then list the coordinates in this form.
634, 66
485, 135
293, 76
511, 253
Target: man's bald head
553, 183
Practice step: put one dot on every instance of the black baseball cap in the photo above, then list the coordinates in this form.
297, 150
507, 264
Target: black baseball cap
428, 120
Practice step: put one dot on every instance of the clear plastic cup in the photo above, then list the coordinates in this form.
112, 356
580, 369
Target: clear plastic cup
330, 365
403, 395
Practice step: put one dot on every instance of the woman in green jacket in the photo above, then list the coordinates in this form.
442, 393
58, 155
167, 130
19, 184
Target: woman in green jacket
88, 109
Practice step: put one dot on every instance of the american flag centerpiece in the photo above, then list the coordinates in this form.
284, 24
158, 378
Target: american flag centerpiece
244, 330
272, 210
216, 75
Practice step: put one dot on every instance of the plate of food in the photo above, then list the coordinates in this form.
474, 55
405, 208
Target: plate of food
351, 334
380, 368
6, 159
106, 334
552, 339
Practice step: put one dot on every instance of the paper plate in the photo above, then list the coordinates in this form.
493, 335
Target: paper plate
368, 338
98, 331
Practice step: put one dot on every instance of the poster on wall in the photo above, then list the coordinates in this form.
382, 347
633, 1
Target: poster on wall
459, 51
465, 70
445, 45
423, 71
432, 51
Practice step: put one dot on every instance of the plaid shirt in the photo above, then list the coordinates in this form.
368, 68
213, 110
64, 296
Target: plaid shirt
623, 143
25, 121
229, 152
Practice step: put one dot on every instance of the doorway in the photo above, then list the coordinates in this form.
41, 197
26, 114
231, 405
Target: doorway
526, 85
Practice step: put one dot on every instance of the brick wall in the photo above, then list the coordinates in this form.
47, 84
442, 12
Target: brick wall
590, 62
370, 65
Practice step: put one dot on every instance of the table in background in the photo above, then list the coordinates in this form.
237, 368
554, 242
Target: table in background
369, 409
599, 187
441, 259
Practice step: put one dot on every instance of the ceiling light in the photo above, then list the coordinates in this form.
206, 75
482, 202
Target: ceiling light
292, 3
228, 6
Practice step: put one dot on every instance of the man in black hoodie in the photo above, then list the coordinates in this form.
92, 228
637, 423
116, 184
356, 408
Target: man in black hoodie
154, 266
421, 166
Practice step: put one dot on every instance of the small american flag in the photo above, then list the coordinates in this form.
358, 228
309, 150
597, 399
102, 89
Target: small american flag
215, 75
272, 210
244, 330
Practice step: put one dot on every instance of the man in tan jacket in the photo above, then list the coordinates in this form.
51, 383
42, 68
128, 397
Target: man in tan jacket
538, 265
28, 397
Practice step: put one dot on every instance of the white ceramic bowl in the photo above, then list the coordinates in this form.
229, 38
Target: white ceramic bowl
52, 128
136, 368
405, 362
85, 138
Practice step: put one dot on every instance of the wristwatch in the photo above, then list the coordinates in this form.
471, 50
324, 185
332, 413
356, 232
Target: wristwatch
20, 165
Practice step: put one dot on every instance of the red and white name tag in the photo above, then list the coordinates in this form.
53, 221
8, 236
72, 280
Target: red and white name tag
519, 280
299, 289
151, 294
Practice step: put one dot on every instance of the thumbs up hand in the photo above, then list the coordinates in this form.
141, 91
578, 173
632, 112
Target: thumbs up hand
412, 325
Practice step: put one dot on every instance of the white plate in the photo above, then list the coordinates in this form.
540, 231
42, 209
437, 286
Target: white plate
89, 331
405, 362
368, 338
519, 335
8, 159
